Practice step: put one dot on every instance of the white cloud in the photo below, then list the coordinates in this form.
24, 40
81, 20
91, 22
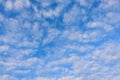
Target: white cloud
108, 4
52, 34
70, 78
90, 64
113, 17
108, 52
1, 18
51, 13
7, 77
83, 2
87, 36
4, 48
44, 78
67, 57
71, 17
79, 48
17, 4
9, 5
27, 24
106, 27
20, 4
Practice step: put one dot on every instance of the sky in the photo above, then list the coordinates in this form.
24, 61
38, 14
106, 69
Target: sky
59, 39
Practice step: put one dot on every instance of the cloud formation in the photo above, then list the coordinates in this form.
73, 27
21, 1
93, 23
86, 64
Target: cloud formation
59, 40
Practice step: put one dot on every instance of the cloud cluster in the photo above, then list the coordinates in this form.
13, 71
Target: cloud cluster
17, 5
59, 40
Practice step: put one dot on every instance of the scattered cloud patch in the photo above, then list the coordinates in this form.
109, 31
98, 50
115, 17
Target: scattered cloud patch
59, 40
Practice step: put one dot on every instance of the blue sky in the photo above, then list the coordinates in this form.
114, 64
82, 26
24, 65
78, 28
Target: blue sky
59, 39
